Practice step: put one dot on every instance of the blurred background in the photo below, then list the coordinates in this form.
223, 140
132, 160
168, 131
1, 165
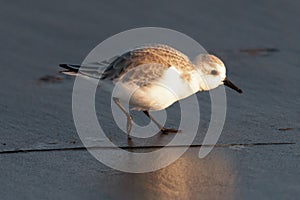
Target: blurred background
257, 156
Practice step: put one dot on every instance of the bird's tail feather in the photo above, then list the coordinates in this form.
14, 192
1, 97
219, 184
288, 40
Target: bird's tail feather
78, 70
70, 67
91, 72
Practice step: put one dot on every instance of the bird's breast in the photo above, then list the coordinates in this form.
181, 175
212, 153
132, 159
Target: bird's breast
172, 86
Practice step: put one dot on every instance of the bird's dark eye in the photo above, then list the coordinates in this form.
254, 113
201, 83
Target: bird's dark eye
214, 72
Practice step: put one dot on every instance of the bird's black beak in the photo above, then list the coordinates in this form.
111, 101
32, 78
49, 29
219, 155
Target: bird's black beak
232, 86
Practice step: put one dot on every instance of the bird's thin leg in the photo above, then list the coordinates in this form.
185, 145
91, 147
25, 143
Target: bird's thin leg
162, 129
129, 117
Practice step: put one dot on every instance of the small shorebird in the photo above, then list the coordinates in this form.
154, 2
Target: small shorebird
155, 77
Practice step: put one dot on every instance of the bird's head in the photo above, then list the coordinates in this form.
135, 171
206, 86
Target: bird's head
214, 72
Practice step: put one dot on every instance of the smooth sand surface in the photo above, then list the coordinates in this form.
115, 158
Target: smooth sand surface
258, 41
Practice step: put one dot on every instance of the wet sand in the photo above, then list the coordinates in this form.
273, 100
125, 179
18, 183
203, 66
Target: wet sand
257, 155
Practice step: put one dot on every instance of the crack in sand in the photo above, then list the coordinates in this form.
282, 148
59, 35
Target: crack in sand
14, 151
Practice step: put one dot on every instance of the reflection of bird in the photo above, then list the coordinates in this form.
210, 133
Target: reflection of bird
155, 77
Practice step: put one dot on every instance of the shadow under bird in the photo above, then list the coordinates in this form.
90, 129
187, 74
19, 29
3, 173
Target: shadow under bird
153, 77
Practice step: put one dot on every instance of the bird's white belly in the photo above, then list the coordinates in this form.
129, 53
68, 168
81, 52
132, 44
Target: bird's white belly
158, 94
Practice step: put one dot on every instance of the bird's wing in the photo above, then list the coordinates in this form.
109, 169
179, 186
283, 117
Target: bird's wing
143, 75
153, 55
137, 61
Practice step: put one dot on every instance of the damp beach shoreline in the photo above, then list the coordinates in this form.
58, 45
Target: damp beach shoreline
257, 155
